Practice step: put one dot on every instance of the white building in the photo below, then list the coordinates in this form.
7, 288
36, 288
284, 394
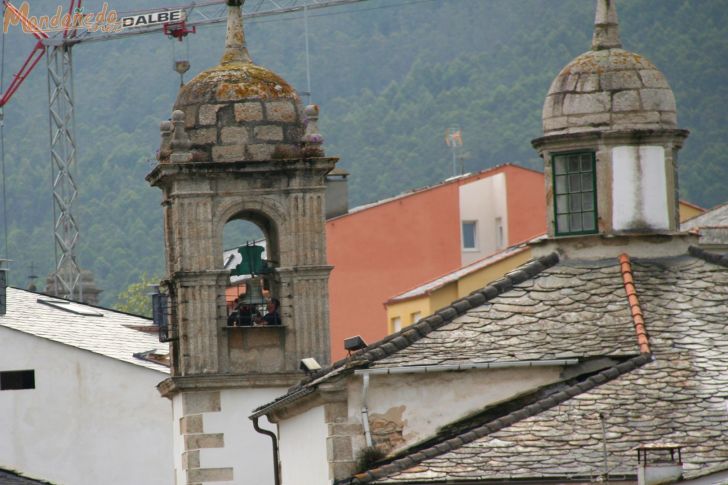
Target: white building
78, 397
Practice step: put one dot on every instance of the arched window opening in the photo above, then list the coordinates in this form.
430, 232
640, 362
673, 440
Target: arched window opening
250, 247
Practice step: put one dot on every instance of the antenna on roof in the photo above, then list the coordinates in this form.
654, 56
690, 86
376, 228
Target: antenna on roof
454, 140
31, 278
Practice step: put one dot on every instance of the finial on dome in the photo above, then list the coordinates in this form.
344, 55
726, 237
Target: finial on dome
606, 26
235, 48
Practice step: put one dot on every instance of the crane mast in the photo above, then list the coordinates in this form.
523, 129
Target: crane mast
66, 279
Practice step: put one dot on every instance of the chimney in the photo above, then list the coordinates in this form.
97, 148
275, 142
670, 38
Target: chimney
658, 463
3, 286
337, 193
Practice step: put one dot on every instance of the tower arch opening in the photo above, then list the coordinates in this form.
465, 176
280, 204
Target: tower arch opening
251, 255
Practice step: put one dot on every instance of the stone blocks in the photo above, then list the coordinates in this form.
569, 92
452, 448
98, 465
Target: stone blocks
234, 134
284, 111
626, 101
268, 133
190, 424
586, 103
208, 114
200, 402
248, 111
200, 475
203, 136
228, 153
658, 100
202, 440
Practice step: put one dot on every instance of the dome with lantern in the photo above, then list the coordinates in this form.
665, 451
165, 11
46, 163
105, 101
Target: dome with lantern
237, 110
608, 88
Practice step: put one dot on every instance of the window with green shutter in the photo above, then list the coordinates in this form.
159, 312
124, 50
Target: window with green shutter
575, 199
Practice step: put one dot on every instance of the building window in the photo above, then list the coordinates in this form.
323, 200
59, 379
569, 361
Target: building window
470, 240
17, 379
396, 324
415, 317
575, 193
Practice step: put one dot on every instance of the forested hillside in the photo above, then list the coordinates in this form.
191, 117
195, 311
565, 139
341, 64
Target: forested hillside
390, 75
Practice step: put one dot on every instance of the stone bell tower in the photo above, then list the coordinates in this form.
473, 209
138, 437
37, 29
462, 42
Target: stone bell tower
610, 142
239, 146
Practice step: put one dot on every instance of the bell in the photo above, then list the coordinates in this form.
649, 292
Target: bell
253, 293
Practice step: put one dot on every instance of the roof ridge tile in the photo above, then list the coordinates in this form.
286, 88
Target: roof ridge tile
634, 303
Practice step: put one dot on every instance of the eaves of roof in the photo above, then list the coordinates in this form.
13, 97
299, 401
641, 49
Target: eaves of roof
407, 336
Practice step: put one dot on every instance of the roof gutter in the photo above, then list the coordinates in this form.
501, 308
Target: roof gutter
426, 369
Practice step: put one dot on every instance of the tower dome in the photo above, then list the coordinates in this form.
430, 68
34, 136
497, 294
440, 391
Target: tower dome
237, 110
608, 88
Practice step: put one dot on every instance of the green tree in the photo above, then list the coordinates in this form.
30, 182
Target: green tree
135, 298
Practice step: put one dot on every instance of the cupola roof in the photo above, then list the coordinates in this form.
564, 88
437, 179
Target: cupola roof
608, 88
238, 110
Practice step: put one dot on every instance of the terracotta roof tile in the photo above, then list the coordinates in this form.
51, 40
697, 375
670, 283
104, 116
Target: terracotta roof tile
634, 304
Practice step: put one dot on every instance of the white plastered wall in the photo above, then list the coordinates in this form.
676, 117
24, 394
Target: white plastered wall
422, 403
303, 448
639, 189
90, 418
248, 452
484, 201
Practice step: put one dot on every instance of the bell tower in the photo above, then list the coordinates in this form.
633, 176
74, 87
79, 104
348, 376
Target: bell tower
239, 146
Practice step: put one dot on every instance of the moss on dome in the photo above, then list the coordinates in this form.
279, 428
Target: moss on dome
234, 81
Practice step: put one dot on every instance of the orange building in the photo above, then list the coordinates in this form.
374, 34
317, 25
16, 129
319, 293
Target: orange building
382, 249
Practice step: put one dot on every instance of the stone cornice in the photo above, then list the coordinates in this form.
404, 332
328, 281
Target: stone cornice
173, 385
312, 271
266, 168
628, 137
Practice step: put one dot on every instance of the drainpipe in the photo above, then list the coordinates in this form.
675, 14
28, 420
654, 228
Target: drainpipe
365, 410
276, 464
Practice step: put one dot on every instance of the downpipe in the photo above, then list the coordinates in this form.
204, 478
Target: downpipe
274, 438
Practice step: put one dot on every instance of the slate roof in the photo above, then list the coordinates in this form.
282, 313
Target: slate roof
571, 310
712, 226
681, 397
108, 332
8, 477
715, 217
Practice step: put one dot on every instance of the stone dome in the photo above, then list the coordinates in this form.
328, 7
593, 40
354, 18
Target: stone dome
608, 88
239, 111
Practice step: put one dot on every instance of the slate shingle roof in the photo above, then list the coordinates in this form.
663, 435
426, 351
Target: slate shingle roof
680, 397
574, 309
109, 335
12, 478
715, 217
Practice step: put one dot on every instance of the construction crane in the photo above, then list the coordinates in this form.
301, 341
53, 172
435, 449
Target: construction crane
177, 22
